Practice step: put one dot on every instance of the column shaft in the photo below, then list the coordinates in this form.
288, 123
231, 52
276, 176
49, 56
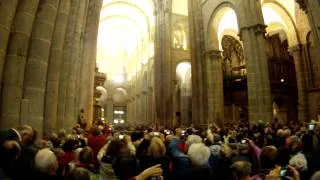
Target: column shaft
217, 83
14, 68
89, 57
301, 83
70, 110
7, 11
199, 96
52, 89
37, 63
65, 64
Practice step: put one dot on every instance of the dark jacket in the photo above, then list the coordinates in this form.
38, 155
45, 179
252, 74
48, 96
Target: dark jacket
148, 161
197, 173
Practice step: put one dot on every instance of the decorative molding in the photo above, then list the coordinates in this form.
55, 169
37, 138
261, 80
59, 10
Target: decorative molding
258, 29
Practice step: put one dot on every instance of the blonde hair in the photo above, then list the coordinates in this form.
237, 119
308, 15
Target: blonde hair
226, 151
157, 148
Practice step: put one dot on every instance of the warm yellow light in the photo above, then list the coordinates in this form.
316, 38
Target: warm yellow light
228, 22
182, 70
270, 16
124, 37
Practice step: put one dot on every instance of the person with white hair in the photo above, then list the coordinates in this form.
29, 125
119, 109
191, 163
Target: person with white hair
199, 155
46, 164
193, 139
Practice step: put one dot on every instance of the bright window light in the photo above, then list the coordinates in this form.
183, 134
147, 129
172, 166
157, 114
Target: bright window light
118, 78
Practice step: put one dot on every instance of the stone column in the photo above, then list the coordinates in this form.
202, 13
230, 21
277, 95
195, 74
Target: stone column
210, 90
252, 34
14, 67
65, 64
301, 83
312, 9
70, 113
163, 71
89, 57
110, 109
52, 90
150, 106
216, 79
199, 96
7, 11
37, 63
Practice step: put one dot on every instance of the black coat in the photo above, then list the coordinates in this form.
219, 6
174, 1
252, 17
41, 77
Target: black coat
148, 161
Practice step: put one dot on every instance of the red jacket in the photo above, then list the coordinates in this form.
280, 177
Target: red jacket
96, 143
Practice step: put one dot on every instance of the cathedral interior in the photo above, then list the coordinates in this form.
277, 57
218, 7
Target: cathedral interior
158, 62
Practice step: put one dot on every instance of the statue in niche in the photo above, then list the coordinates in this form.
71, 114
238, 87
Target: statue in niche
234, 63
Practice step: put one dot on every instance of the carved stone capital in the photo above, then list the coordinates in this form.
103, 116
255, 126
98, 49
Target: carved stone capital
302, 5
258, 29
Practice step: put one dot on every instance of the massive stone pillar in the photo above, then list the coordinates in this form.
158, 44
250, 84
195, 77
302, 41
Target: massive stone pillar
150, 106
301, 82
37, 63
64, 66
215, 85
14, 67
110, 109
312, 8
252, 34
7, 12
198, 63
89, 57
71, 111
210, 90
52, 90
163, 71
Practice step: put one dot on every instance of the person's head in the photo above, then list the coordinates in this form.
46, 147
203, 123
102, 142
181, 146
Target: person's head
226, 151
9, 151
115, 148
86, 156
62, 134
125, 167
268, 157
241, 170
27, 134
316, 176
78, 174
96, 131
199, 154
69, 145
46, 161
193, 139
299, 162
157, 148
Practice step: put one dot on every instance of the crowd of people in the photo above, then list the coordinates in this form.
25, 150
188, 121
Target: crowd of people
232, 152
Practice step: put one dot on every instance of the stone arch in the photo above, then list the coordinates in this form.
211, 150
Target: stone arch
120, 95
291, 29
218, 13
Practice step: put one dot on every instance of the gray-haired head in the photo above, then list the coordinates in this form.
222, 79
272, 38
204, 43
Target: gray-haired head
46, 161
199, 154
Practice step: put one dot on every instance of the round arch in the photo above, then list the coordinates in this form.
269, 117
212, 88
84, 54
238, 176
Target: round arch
217, 16
290, 29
